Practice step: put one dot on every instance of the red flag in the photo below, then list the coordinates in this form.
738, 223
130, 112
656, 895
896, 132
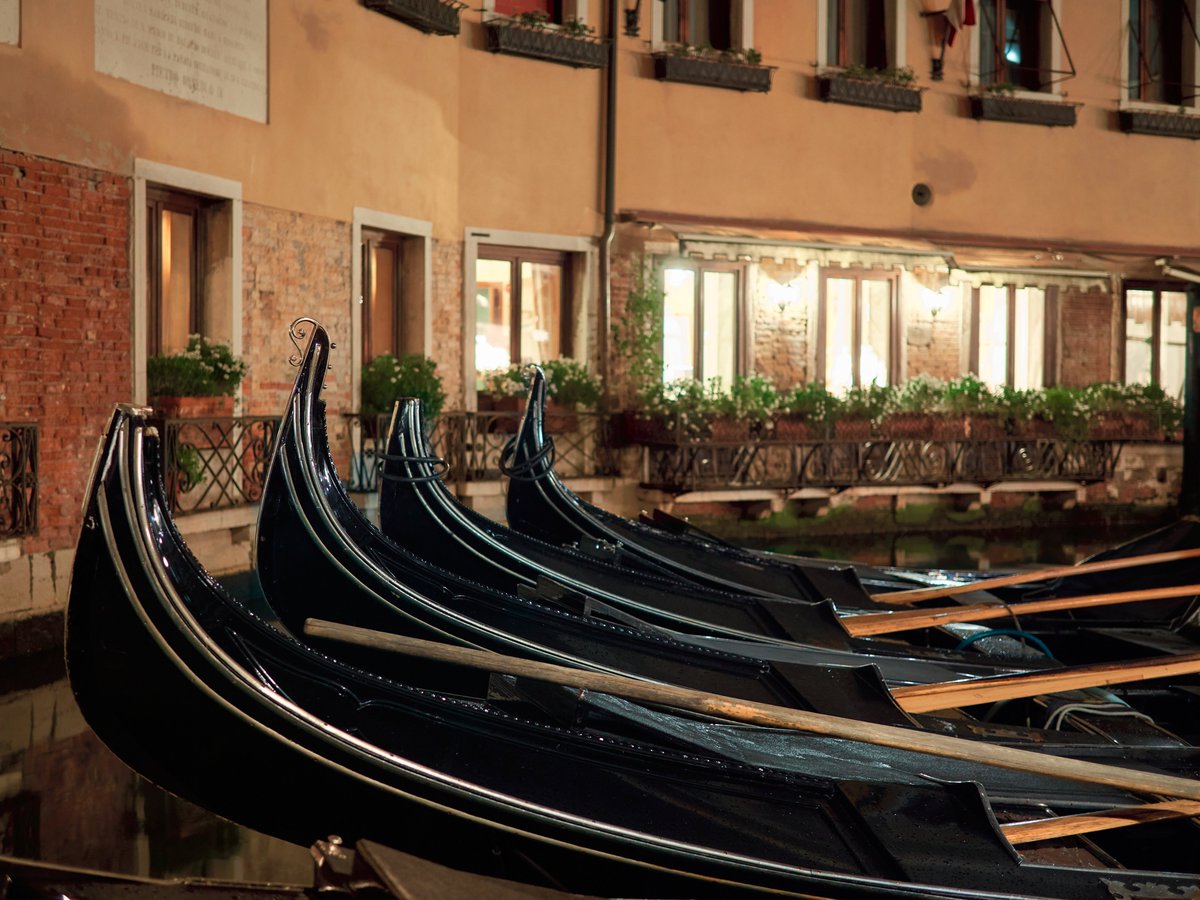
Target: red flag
959, 15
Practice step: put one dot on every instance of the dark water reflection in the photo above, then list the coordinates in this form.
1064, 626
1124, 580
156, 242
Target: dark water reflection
65, 798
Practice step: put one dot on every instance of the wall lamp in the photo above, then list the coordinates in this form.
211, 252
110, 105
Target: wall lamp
939, 25
633, 16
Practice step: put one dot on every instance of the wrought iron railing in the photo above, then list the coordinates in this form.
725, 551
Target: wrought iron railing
709, 465
216, 463
471, 443
18, 479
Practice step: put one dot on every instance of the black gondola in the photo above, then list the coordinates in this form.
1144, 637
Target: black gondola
215, 704
541, 506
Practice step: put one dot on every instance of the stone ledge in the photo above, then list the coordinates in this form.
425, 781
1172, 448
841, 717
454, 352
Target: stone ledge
10, 550
217, 519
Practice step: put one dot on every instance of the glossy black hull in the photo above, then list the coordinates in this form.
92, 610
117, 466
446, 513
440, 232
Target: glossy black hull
215, 704
541, 506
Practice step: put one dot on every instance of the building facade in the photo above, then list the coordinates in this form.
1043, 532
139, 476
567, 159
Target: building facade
422, 177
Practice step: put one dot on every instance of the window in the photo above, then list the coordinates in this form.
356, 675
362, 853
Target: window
392, 291
701, 23
702, 312
187, 262
559, 11
522, 312
857, 344
1011, 336
862, 33
1015, 43
1155, 346
1163, 46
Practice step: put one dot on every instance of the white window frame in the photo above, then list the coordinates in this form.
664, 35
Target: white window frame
572, 9
583, 306
1056, 91
896, 51
149, 172
1125, 101
404, 226
743, 32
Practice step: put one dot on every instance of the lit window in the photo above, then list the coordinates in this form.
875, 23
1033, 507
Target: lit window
1008, 336
1156, 337
1163, 45
1014, 43
381, 289
701, 330
857, 340
522, 313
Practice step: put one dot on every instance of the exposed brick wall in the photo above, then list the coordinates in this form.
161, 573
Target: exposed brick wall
292, 265
1086, 345
933, 344
446, 301
783, 320
65, 313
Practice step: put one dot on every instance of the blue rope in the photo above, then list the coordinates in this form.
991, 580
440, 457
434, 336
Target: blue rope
1010, 632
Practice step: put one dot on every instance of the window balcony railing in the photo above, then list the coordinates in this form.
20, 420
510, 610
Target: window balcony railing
551, 44
783, 465
18, 479
430, 16
471, 443
216, 463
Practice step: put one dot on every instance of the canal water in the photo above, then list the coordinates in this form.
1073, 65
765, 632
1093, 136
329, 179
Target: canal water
65, 798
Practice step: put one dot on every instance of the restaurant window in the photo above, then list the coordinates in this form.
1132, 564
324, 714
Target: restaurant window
180, 257
702, 311
393, 313
1015, 43
522, 307
1011, 336
862, 33
1155, 337
1163, 43
702, 23
858, 343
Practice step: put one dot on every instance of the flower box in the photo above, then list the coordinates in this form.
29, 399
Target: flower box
1163, 123
514, 39
720, 73
853, 429
192, 407
430, 16
792, 427
836, 88
1006, 108
908, 425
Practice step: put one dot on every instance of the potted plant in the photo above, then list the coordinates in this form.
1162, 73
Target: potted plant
739, 70
569, 388
386, 378
859, 410
891, 88
972, 411
199, 382
637, 337
913, 409
744, 411
804, 412
1058, 411
533, 35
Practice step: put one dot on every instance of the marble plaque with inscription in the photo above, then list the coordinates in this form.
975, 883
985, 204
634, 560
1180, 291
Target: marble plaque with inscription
10, 21
209, 51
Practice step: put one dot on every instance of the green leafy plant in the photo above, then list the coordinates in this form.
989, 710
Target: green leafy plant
568, 382
920, 394
1065, 408
535, 19
638, 333
578, 28
1001, 88
869, 402
501, 383
752, 56
903, 76
969, 395
751, 398
811, 401
205, 369
385, 379
189, 467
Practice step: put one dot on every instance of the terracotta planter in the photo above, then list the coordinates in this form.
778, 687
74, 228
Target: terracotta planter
985, 428
949, 427
791, 427
1034, 428
637, 428
908, 425
852, 429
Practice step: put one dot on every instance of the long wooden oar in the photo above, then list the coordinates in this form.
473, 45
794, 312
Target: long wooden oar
946, 694
767, 714
912, 619
1104, 565
1085, 823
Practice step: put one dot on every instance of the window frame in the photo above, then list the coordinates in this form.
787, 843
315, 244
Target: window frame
741, 323
895, 10
515, 256
1049, 332
372, 238
1053, 42
859, 274
159, 200
741, 26
1134, 89
1158, 287
570, 9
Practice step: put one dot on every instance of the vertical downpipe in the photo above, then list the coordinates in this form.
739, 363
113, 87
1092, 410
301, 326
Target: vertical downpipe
604, 308
1189, 491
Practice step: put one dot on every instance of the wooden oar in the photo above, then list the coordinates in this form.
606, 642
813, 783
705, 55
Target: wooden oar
766, 714
911, 619
1085, 823
944, 695
1104, 565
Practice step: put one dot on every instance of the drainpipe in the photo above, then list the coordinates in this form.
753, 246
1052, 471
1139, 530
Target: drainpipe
604, 305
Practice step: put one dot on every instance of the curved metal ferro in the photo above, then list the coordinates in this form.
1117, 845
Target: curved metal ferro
297, 333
